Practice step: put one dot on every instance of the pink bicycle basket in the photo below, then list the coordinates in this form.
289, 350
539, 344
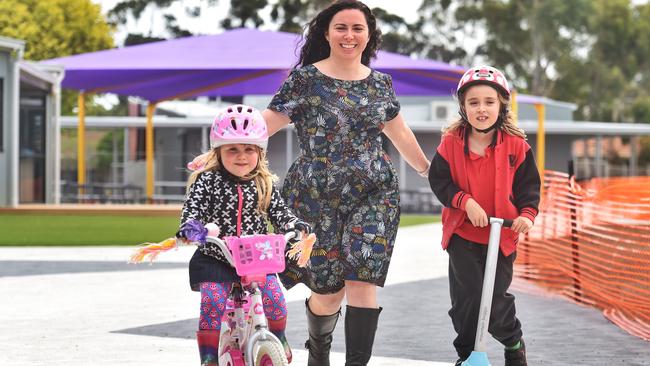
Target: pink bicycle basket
257, 254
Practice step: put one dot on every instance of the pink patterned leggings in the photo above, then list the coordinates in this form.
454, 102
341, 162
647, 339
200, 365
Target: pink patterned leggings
215, 294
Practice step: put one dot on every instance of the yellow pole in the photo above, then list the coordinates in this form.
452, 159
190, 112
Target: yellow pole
149, 150
514, 106
541, 138
81, 143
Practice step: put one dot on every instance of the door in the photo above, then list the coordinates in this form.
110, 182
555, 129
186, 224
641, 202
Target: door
32, 147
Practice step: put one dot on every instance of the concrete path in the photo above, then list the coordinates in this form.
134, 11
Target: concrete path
81, 306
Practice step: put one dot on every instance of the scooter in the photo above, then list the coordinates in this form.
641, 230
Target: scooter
479, 357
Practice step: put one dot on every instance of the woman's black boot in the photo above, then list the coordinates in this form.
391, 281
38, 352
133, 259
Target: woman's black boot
360, 329
320, 329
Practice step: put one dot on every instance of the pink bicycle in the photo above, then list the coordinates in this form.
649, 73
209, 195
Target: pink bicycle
245, 339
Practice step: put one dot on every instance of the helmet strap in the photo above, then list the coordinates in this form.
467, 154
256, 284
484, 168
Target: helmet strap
486, 130
463, 116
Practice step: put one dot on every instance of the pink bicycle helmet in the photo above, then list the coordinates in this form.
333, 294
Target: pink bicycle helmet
484, 75
239, 124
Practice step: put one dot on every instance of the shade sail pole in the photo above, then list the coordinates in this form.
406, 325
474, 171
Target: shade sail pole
81, 143
541, 139
151, 107
514, 107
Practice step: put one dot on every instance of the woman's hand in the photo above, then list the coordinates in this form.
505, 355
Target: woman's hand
476, 214
424, 173
521, 225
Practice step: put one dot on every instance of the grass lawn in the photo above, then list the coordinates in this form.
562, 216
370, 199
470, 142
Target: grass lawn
409, 220
71, 230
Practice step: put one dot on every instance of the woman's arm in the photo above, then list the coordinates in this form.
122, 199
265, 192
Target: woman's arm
274, 120
405, 142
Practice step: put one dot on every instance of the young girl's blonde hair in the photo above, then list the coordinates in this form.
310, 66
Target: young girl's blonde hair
262, 176
507, 124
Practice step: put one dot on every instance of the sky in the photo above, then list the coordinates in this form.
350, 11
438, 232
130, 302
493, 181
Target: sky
152, 19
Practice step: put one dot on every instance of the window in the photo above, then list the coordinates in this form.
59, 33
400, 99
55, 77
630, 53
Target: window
441, 112
2, 111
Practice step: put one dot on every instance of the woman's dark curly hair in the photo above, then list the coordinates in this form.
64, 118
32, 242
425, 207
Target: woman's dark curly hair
316, 47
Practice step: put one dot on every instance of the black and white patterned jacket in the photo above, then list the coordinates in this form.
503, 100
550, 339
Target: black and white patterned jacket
216, 196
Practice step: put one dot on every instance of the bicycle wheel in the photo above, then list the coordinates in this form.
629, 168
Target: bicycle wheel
270, 353
232, 357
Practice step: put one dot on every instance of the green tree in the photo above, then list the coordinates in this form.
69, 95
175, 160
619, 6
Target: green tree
396, 36
641, 106
120, 13
243, 13
440, 31
292, 15
135, 8
528, 38
55, 28
434, 35
610, 81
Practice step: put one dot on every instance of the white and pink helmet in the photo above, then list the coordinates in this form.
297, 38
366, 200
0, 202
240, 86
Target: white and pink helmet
239, 124
484, 75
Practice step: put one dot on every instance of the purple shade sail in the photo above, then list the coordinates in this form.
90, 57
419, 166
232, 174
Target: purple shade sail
237, 62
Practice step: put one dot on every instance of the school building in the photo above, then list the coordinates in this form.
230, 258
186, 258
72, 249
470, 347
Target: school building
29, 127
34, 170
180, 135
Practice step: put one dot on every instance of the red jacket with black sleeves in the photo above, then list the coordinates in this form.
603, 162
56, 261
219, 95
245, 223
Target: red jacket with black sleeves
516, 185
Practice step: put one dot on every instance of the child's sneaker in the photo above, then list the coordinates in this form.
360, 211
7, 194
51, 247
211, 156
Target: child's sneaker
516, 357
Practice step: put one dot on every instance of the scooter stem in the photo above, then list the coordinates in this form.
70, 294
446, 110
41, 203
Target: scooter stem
478, 356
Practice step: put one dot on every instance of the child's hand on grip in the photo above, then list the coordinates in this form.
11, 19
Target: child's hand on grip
521, 225
476, 214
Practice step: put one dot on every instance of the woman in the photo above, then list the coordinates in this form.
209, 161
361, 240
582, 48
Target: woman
343, 182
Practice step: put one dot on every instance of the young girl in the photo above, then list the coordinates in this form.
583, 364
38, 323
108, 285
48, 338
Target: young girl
234, 189
484, 167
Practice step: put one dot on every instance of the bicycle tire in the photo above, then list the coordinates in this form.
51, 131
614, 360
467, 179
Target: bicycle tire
232, 357
270, 353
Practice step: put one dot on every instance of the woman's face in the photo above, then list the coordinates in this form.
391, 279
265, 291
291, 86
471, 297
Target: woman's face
347, 34
482, 106
239, 159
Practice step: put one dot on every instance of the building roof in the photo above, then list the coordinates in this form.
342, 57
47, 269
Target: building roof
237, 62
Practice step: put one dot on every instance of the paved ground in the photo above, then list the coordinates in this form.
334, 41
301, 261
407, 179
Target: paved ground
80, 306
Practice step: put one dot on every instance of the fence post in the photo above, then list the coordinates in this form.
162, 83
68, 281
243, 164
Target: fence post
575, 248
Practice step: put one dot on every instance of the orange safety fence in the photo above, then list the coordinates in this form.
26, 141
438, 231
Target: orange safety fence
591, 244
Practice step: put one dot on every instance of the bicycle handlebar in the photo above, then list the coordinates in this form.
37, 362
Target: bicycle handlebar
288, 236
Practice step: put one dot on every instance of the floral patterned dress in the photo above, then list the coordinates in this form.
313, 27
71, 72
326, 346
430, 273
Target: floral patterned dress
343, 182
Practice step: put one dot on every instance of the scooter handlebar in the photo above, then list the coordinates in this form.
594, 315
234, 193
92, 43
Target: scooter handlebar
506, 222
